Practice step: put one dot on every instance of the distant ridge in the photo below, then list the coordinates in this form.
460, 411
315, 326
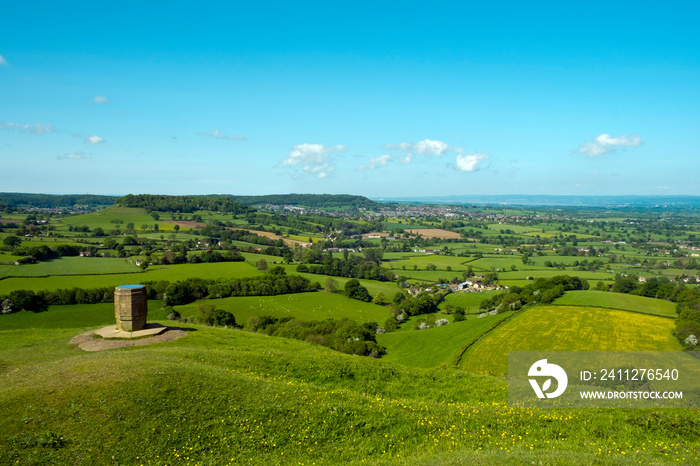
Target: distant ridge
55, 201
554, 200
309, 200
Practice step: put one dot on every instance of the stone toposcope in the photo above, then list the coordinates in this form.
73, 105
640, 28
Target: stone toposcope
130, 307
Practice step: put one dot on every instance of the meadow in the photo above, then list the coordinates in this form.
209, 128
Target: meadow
305, 306
627, 302
435, 346
569, 328
218, 396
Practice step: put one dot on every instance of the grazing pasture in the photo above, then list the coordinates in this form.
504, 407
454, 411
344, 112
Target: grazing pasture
304, 306
435, 346
69, 266
160, 272
626, 302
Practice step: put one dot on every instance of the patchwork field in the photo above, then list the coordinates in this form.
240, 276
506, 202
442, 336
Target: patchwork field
434, 233
435, 346
569, 328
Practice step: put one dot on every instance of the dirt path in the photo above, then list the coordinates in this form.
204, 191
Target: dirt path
87, 342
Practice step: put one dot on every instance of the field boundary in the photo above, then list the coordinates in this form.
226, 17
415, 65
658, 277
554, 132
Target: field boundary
482, 335
72, 275
613, 309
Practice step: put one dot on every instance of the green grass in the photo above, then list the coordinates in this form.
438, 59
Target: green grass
69, 266
569, 328
621, 301
304, 306
435, 346
154, 273
103, 219
219, 396
469, 301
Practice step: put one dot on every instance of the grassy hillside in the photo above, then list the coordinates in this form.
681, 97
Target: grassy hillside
569, 328
219, 396
622, 301
435, 346
304, 306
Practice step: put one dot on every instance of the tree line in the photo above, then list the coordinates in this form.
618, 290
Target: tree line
275, 282
189, 204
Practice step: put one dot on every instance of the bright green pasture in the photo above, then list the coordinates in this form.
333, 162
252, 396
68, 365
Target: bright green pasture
219, 396
161, 272
621, 301
468, 300
569, 328
552, 272
441, 262
304, 306
503, 263
435, 346
102, 218
373, 286
69, 266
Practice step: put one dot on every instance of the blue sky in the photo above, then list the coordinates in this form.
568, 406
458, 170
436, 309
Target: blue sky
372, 98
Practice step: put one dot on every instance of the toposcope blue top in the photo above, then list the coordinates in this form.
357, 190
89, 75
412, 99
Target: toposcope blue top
130, 286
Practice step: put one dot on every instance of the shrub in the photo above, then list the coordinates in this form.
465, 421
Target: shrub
223, 318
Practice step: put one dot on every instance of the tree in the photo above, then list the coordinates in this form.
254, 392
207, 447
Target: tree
223, 318
261, 264
176, 228
331, 285
353, 289
379, 298
374, 255
12, 241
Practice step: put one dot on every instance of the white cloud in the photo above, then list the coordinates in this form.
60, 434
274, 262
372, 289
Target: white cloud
425, 147
605, 144
100, 99
35, 128
3, 62
78, 155
94, 140
216, 134
428, 147
376, 162
407, 158
313, 159
469, 163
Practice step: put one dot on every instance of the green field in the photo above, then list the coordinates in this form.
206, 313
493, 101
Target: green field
622, 301
304, 306
155, 273
569, 328
103, 219
435, 346
69, 266
469, 301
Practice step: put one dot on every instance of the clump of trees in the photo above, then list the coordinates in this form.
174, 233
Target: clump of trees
367, 267
542, 291
208, 314
346, 336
